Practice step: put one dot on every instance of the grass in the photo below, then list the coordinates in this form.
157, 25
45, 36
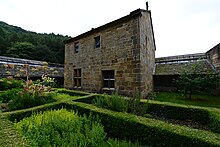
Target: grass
196, 100
9, 136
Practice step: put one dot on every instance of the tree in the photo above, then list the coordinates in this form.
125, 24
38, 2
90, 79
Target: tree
194, 80
21, 50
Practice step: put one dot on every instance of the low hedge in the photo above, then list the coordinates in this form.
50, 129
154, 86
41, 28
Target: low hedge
20, 114
179, 112
173, 111
202, 115
205, 116
72, 92
214, 124
145, 130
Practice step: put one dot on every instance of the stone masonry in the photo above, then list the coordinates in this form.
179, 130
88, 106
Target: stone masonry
127, 49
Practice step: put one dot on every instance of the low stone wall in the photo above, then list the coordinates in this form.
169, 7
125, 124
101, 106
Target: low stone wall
19, 68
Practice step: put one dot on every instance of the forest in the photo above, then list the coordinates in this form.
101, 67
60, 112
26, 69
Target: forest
19, 43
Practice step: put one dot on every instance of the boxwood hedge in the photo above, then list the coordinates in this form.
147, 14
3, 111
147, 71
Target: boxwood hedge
145, 130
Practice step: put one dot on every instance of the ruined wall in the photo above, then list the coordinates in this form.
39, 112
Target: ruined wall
147, 54
119, 51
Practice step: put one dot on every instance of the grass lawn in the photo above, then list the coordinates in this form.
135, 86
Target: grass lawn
196, 100
9, 136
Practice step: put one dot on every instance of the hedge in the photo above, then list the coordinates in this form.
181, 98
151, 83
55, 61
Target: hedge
205, 116
145, 130
202, 115
72, 92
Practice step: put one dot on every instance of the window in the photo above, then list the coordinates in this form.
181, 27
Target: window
97, 42
77, 78
108, 79
76, 47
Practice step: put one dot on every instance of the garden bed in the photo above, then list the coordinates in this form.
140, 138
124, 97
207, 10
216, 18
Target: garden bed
159, 123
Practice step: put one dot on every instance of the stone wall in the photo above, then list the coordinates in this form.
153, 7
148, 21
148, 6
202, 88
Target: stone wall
17, 68
147, 54
214, 56
123, 49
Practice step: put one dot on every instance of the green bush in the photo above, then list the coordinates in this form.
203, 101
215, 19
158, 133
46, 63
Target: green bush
10, 83
214, 124
62, 128
72, 92
179, 112
113, 102
26, 100
8, 95
145, 130
119, 103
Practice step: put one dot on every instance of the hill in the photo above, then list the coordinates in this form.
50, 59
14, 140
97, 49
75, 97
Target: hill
19, 43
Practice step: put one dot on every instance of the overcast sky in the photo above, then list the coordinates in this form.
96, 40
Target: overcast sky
180, 26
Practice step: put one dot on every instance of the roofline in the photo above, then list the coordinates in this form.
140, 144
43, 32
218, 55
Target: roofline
152, 29
132, 14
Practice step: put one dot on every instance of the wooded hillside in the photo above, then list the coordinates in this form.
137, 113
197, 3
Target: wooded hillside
19, 43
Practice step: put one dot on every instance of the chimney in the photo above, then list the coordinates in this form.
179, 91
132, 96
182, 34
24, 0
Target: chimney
147, 6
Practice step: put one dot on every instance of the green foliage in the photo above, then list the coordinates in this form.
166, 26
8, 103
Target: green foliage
72, 92
28, 100
48, 81
121, 104
21, 50
113, 102
196, 100
10, 136
9, 83
62, 128
8, 95
120, 143
145, 130
193, 80
47, 47
136, 107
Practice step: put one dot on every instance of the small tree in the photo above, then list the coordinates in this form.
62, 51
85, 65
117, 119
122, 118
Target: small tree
194, 79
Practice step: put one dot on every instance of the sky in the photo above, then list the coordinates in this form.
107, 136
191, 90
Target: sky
180, 26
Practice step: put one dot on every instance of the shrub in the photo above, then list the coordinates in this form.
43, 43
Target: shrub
27, 100
135, 106
8, 95
10, 83
121, 104
113, 102
145, 130
62, 128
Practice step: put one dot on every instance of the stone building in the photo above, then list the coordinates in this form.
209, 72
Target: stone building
118, 56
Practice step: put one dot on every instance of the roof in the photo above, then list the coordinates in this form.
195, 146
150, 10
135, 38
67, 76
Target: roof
178, 67
126, 18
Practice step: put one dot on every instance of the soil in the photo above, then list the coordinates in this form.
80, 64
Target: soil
188, 123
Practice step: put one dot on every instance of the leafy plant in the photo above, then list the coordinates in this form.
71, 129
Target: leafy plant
10, 83
121, 104
136, 107
8, 95
27, 100
113, 102
193, 80
62, 128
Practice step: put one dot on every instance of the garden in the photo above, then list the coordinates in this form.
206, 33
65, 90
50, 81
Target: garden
34, 113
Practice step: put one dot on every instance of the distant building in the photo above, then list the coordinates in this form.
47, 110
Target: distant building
116, 57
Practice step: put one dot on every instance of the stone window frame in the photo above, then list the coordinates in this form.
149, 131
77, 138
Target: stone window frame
97, 41
77, 77
76, 47
108, 79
